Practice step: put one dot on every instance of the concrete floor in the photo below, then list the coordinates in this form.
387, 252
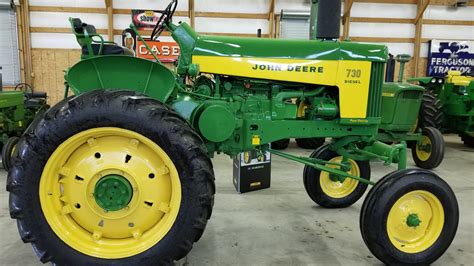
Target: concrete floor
282, 226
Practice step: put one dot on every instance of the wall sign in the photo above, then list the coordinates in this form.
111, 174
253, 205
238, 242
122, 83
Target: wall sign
446, 55
145, 19
167, 52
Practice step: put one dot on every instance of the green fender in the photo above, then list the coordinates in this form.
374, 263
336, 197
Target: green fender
122, 72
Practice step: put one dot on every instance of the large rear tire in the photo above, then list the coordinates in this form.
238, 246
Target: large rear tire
328, 192
431, 113
112, 178
409, 217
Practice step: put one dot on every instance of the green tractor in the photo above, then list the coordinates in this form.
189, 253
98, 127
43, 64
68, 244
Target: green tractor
121, 173
448, 105
18, 108
401, 104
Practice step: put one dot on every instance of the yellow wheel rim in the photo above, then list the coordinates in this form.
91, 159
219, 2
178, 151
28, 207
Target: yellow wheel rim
335, 188
422, 154
415, 236
68, 203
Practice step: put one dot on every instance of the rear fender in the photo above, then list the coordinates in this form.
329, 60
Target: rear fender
122, 72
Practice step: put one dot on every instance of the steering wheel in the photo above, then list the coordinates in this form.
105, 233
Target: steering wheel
164, 19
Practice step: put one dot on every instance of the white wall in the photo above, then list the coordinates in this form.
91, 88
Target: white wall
57, 40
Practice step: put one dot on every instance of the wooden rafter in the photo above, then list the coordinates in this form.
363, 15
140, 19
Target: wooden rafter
271, 19
347, 10
192, 13
421, 10
110, 19
346, 18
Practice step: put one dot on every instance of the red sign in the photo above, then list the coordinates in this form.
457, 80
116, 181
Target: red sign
165, 51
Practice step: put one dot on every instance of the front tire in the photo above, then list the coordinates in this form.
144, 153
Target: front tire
429, 152
63, 181
410, 217
327, 192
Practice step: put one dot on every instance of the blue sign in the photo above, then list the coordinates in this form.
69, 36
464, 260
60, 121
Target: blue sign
446, 55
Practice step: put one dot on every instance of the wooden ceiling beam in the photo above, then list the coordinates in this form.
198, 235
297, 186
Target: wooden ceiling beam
421, 10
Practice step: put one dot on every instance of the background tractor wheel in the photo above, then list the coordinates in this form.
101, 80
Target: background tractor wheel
429, 152
280, 144
7, 152
326, 190
111, 177
410, 217
310, 143
467, 140
431, 114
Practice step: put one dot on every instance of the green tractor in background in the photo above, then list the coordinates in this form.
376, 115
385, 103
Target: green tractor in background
18, 109
401, 104
121, 173
448, 105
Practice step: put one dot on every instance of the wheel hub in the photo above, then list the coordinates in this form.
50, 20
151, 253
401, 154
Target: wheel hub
413, 220
113, 192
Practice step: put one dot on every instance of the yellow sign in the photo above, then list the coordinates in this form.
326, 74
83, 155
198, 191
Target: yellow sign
350, 77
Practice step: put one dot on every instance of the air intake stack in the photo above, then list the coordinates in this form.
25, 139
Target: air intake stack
328, 19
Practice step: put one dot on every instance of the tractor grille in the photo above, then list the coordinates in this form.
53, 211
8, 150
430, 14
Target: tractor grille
374, 106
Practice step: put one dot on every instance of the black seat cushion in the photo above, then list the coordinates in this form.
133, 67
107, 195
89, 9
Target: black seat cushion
108, 49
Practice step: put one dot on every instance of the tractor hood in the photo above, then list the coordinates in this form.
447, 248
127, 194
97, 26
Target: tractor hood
288, 49
302, 61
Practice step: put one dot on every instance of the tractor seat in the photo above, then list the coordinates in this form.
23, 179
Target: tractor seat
107, 49
80, 28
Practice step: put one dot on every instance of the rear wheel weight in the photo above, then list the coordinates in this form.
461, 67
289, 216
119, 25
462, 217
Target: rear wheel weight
410, 217
161, 166
328, 192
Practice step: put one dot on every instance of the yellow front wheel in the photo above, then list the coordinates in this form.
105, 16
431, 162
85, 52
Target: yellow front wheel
332, 191
125, 181
409, 217
428, 152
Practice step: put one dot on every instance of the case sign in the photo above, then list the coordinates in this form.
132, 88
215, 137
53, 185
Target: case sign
167, 52
446, 55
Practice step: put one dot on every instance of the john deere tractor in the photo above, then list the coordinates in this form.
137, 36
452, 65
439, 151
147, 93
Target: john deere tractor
401, 104
121, 173
18, 108
448, 104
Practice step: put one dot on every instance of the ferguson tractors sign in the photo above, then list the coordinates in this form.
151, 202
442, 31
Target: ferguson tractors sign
445, 55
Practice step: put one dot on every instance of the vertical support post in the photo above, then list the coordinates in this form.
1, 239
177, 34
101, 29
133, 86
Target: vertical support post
271, 19
192, 13
402, 156
346, 18
277, 26
29, 75
21, 49
313, 20
110, 19
421, 7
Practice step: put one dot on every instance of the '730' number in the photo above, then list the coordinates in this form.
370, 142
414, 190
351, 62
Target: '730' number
353, 73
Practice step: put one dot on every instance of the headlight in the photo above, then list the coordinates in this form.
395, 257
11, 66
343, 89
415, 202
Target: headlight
434, 80
440, 81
